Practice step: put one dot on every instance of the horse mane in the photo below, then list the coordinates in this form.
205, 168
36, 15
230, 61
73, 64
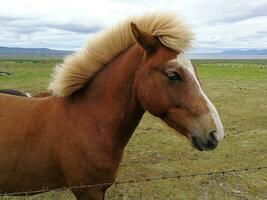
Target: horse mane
78, 68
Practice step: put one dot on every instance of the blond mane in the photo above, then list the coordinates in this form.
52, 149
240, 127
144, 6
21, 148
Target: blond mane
78, 68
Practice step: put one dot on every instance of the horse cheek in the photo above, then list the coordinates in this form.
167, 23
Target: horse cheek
153, 98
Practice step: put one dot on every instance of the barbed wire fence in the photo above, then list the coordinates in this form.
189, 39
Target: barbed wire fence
147, 179
174, 176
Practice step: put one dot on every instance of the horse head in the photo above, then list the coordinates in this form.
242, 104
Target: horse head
168, 87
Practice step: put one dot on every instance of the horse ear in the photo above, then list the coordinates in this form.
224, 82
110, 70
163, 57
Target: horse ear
145, 40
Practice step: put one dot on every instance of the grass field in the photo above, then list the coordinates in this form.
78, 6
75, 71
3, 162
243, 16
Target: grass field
238, 88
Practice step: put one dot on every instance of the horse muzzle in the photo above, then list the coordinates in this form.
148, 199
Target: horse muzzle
201, 145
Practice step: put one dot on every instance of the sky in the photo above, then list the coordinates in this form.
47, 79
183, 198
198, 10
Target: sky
67, 24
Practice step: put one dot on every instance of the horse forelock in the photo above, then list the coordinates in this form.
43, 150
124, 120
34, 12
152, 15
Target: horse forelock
80, 67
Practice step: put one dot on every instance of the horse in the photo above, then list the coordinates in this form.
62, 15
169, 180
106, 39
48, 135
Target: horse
77, 135
19, 93
15, 92
5, 73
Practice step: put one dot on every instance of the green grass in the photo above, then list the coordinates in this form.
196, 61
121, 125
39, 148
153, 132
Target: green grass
237, 88
27, 75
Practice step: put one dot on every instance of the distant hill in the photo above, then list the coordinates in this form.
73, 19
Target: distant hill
246, 52
233, 54
13, 52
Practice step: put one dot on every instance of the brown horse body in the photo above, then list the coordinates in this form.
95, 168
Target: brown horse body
79, 139
19, 93
45, 152
14, 92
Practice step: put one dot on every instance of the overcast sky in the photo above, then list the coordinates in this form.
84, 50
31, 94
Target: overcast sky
67, 24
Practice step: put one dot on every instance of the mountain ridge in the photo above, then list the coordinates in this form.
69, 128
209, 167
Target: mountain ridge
32, 52
17, 52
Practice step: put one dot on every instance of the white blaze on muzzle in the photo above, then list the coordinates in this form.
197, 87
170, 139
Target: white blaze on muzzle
184, 62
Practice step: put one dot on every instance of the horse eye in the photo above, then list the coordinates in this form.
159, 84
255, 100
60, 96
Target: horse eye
173, 76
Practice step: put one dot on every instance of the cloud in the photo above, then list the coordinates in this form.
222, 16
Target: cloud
65, 24
247, 33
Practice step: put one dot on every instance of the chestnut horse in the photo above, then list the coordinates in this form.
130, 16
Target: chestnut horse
15, 92
77, 136
22, 94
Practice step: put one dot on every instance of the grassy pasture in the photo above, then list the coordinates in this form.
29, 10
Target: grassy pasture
238, 88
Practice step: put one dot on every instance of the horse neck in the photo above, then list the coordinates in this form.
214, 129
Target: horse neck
111, 98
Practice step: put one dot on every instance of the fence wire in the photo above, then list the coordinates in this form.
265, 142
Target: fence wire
148, 179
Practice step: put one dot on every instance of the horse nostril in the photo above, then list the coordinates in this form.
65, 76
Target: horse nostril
213, 137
